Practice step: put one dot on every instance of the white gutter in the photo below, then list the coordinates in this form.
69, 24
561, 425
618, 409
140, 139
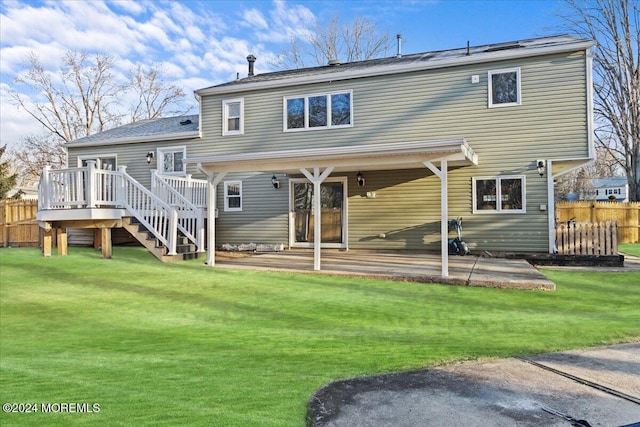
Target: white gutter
382, 70
353, 151
136, 139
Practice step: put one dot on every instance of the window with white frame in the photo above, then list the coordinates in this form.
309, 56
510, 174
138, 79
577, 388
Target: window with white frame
233, 116
319, 111
504, 87
499, 194
170, 160
232, 196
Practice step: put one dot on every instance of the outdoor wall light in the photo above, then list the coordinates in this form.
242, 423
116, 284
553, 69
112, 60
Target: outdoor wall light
275, 182
540, 166
360, 179
149, 156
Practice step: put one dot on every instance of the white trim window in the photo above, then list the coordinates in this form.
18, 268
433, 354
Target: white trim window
170, 160
106, 161
233, 116
504, 88
318, 111
502, 194
232, 196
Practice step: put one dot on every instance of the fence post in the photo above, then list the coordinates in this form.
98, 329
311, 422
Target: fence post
173, 231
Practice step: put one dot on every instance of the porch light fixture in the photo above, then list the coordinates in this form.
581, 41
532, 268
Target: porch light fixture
540, 167
275, 182
149, 156
360, 179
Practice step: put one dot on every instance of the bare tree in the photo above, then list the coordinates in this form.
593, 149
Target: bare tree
353, 41
154, 94
77, 102
579, 182
36, 152
615, 26
84, 98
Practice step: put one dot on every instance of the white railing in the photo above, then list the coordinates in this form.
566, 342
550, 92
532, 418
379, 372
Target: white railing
190, 216
154, 214
163, 214
62, 189
194, 190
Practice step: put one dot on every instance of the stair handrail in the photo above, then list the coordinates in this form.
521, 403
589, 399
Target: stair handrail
190, 217
151, 211
192, 189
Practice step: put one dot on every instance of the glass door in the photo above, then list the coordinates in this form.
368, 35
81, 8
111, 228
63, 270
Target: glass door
333, 215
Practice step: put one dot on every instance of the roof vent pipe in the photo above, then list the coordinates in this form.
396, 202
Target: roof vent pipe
251, 59
468, 48
399, 37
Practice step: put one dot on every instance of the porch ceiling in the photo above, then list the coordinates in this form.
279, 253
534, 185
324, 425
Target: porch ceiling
407, 155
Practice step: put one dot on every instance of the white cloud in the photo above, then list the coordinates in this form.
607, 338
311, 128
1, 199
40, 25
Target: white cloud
254, 19
197, 47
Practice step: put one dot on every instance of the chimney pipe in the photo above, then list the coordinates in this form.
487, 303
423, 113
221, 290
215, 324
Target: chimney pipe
251, 59
399, 37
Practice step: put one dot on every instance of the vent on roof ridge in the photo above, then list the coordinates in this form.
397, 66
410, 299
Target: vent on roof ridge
503, 46
186, 122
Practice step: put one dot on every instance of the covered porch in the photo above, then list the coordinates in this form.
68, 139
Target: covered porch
316, 165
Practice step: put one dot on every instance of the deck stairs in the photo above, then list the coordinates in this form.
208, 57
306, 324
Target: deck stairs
167, 219
184, 247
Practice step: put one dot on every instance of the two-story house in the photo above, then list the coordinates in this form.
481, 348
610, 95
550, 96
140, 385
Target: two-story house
375, 154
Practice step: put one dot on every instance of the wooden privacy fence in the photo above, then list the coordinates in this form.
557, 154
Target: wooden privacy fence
625, 214
587, 238
18, 223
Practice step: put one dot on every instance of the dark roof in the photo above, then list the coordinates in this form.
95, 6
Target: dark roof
149, 128
475, 51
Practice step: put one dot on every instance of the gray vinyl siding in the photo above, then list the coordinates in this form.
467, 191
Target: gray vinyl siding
426, 105
551, 123
134, 157
264, 215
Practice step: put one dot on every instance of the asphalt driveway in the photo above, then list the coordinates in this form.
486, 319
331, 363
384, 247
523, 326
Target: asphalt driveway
600, 386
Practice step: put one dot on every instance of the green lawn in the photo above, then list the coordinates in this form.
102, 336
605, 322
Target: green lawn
630, 248
182, 344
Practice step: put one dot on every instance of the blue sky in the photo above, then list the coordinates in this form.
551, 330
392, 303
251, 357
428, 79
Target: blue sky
201, 43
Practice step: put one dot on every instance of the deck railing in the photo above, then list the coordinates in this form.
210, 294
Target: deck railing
163, 211
190, 216
194, 190
154, 214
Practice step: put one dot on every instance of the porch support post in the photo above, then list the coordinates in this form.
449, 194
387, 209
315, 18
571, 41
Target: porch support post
61, 239
551, 208
213, 181
105, 237
316, 179
444, 213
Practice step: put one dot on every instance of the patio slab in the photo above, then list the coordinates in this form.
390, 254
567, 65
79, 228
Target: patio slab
403, 266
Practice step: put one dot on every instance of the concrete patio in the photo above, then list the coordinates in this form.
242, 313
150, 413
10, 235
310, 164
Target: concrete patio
404, 266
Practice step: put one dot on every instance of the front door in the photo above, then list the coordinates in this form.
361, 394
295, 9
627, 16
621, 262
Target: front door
333, 202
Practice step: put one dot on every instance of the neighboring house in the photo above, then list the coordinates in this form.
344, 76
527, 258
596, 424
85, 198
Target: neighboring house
375, 154
607, 189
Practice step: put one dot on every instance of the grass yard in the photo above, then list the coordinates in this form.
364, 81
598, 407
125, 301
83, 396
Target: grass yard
630, 248
181, 344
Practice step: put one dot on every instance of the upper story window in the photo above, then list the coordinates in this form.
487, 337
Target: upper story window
233, 116
504, 87
320, 111
499, 194
170, 160
232, 196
